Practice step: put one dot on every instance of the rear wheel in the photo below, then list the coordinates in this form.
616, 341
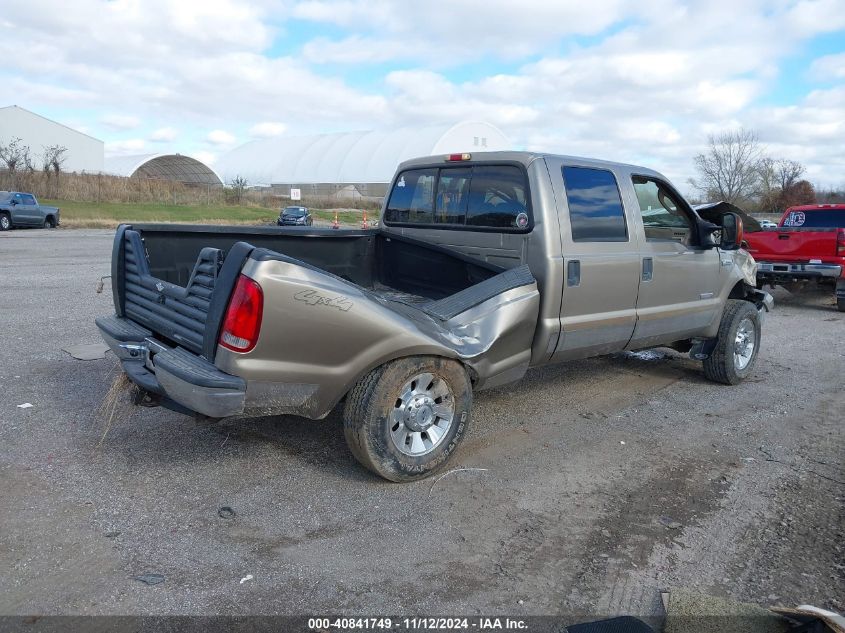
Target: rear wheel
840, 305
738, 344
5, 222
405, 419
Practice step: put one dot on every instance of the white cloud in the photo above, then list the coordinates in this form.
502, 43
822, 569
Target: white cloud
828, 68
220, 137
125, 147
204, 157
120, 121
164, 135
443, 28
267, 129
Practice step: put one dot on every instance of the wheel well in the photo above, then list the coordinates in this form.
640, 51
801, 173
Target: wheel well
471, 373
739, 291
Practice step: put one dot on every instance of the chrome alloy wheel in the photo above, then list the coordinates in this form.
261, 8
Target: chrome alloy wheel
746, 339
422, 415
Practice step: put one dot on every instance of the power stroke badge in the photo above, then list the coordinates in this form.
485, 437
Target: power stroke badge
314, 298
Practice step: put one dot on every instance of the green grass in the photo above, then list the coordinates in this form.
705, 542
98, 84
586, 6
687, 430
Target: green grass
110, 214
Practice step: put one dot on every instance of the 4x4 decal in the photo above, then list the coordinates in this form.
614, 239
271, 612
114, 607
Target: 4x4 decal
313, 298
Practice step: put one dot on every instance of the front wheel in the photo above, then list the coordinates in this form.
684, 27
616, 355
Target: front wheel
738, 344
5, 222
404, 419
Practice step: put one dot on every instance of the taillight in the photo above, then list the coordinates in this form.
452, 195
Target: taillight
243, 316
840, 242
740, 232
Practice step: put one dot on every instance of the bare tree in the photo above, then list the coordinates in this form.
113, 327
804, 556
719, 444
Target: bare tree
14, 155
238, 184
830, 195
729, 169
780, 185
788, 172
52, 160
55, 157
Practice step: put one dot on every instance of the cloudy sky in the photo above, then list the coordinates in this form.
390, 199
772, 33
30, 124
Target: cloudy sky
642, 81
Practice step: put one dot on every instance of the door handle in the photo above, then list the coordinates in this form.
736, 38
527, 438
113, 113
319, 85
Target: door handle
648, 268
573, 273
783, 237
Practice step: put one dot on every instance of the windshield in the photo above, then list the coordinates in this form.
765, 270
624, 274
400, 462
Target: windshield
296, 212
816, 218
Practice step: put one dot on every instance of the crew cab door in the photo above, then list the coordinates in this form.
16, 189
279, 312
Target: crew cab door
36, 213
601, 263
24, 210
679, 280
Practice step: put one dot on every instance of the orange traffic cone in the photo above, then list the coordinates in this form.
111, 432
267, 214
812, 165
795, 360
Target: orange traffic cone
364, 223
335, 224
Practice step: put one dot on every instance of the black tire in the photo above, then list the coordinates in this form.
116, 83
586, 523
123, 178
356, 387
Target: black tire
840, 305
49, 223
722, 365
5, 222
367, 421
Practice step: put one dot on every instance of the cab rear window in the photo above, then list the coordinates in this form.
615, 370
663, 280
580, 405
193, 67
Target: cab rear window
471, 197
816, 218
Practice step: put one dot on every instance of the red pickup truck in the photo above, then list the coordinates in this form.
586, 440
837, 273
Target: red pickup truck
808, 245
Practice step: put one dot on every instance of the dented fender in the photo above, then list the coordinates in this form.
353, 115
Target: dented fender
321, 334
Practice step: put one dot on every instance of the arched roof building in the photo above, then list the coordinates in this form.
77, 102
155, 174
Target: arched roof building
163, 167
351, 157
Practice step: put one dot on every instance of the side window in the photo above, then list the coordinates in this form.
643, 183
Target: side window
452, 196
497, 197
27, 199
412, 198
595, 206
663, 216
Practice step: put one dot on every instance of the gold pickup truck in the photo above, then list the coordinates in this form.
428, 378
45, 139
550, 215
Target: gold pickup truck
482, 266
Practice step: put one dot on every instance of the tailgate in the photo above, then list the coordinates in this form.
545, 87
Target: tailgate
186, 315
793, 245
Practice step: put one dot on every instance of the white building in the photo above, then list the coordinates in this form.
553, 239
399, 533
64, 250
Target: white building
84, 153
337, 164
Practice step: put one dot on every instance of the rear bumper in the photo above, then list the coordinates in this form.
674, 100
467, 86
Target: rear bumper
173, 373
775, 270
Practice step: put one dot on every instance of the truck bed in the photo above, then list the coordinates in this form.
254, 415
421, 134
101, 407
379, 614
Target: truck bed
176, 280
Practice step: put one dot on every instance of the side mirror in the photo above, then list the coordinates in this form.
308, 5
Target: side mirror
732, 232
13, 202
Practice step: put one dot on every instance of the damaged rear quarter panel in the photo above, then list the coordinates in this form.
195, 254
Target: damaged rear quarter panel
320, 334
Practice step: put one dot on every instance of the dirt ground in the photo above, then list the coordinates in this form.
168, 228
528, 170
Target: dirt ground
594, 485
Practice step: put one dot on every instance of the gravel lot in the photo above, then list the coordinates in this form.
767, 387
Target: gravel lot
606, 480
